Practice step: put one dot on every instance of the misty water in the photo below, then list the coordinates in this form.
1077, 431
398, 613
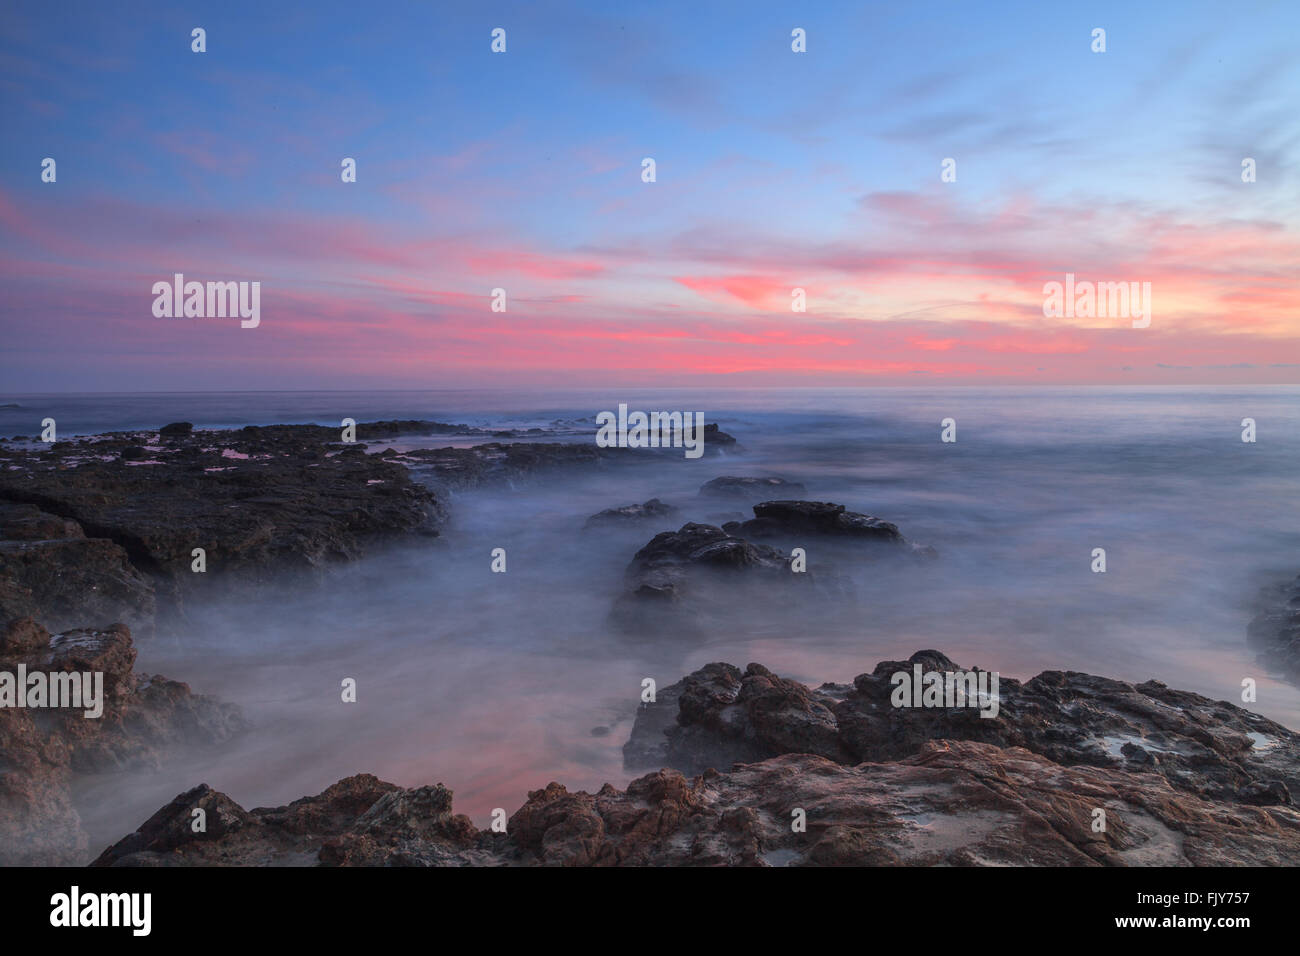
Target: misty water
495, 684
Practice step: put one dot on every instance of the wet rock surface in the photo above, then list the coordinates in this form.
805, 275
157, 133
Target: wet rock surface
51, 571
43, 750
652, 510
681, 581
929, 794
1213, 748
254, 499
784, 519
105, 527
739, 489
673, 583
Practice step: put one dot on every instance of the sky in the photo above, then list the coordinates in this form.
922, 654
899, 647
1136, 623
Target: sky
523, 171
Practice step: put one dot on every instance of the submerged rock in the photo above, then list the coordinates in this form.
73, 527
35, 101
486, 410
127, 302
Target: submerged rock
750, 489
652, 510
672, 582
785, 519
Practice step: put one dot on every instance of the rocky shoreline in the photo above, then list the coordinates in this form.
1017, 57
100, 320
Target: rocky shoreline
103, 531
106, 527
1177, 778
145, 718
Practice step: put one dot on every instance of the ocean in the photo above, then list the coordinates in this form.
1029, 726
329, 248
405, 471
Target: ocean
493, 683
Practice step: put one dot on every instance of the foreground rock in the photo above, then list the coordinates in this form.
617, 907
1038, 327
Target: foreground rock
938, 799
721, 715
1275, 631
359, 821
144, 717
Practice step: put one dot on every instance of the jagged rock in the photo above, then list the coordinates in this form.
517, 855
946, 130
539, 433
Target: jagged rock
953, 803
176, 430
359, 821
783, 519
750, 489
673, 581
50, 571
249, 499
1211, 748
143, 718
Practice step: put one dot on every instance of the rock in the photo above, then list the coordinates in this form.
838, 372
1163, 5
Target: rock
45, 749
750, 489
459, 468
176, 430
671, 583
783, 519
50, 571
715, 436
359, 821
1210, 748
1207, 786
683, 583
953, 803
652, 510
1275, 630
249, 499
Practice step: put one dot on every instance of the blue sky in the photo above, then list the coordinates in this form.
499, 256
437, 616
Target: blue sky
521, 170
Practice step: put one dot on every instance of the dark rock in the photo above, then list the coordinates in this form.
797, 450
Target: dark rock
652, 510
713, 435
673, 581
1211, 748
43, 751
50, 571
176, 430
359, 821
247, 498
750, 489
774, 519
